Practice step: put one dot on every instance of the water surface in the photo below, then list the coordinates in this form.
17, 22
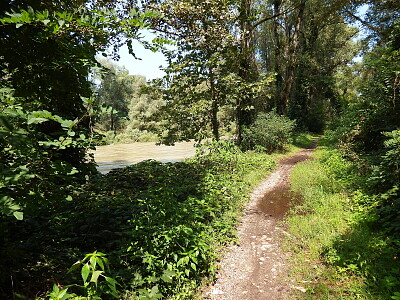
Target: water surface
120, 155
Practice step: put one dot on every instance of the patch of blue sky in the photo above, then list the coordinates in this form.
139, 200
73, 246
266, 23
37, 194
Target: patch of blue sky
148, 64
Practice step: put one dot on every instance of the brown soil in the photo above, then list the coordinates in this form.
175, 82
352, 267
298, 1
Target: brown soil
257, 268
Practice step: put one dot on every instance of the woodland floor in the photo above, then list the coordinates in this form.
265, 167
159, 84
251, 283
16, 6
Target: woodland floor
256, 267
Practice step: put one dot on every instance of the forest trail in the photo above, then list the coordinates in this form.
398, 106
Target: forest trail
256, 267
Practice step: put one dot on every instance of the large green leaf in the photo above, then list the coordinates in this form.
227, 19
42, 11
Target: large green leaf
19, 215
85, 272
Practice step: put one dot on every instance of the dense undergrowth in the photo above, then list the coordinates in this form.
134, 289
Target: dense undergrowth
161, 226
342, 248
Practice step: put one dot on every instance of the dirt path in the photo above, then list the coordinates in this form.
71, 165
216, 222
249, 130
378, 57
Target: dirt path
257, 268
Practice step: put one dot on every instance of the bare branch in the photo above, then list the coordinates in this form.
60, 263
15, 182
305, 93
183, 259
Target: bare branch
363, 22
263, 20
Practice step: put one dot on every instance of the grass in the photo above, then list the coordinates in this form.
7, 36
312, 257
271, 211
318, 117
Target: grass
337, 252
303, 140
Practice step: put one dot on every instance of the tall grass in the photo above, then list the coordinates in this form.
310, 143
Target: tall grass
337, 253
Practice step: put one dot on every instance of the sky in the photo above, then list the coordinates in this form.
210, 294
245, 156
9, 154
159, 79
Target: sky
150, 62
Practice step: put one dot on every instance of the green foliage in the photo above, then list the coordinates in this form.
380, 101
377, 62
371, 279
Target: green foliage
129, 136
94, 268
127, 106
367, 131
57, 294
338, 249
46, 55
32, 164
304, 140
181, 219
359, 128
387, 174
113, 94
323, 57
385, 180
96, 284
206, 88
305, 46
196, 85
270, 132
307, 223
345, 172
162, 225
47, 51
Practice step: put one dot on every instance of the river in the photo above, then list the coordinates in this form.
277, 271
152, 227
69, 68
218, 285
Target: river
120, 155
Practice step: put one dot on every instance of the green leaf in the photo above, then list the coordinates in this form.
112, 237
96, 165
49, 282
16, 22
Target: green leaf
85, 272
112, 286
193, 266
87, 100
93, 261
62, 293
155, 293
67, 123
73, 171
74, 267
95, 276
181, 262
18, 25
100, 262
69, 198
19, 215
36, 120
111, 281
167, 276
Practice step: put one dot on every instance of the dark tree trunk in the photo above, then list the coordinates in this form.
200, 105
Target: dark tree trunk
277, 58
214, 108
293, 52
246, 69
112, 122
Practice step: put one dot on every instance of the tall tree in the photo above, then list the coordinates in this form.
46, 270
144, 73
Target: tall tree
200, 72
113, 93
378, 105
216, 40
304, 45
145, 103
327, 45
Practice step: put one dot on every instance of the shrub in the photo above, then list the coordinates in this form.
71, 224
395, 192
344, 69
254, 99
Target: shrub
385, 179
269, 132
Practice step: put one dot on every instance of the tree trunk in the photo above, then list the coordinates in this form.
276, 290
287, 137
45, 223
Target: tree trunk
214, 107
244, 113
277, 58
293, 52
112, 122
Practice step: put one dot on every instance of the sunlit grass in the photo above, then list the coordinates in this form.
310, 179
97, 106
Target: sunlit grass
335, 251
